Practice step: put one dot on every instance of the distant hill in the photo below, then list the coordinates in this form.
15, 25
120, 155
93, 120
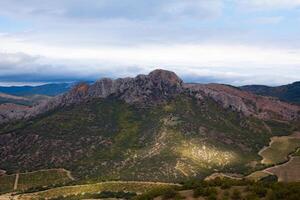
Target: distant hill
22, 100
52, 89
289, 93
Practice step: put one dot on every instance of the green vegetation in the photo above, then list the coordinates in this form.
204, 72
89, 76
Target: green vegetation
258, 175
136, 187
238, 190
107, 139
297, 153
34, 180
7, 183
99, 195
43, 178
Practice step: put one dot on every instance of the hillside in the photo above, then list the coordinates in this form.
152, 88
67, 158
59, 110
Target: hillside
152, 127
289, 93
20, 100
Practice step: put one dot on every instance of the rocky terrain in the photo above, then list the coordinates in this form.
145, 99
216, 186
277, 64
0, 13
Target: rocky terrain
152, 127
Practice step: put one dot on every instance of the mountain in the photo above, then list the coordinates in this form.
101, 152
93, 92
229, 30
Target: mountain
47, 89
289, 93
151, 127
19, 100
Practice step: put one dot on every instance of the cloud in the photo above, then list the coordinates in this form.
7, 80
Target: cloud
107, 9
269, 20
232, 64
268, 4
201, 40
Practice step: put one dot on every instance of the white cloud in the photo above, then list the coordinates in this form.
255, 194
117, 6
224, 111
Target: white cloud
230, 63
121, 38
268, 4
268, 20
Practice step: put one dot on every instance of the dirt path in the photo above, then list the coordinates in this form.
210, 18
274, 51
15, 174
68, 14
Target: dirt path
16, 181
69, 174
6, 197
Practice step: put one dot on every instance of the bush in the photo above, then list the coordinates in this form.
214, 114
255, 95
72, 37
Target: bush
225, 185
251, 197
212, 197
259, 190
155, 193
236, 195
205, 192
170, 193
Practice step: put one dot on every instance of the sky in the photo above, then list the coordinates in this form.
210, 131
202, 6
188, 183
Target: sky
234, 42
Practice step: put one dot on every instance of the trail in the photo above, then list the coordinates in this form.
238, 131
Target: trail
16, 181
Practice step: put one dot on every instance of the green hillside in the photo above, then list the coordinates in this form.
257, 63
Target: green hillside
107, 139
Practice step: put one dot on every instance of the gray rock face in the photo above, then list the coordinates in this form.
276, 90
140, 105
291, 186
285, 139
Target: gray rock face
157, 87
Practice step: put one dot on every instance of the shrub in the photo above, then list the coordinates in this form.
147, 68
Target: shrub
236, 195
225, 185
170, 193
251, 197
205, 192
212, 197
259, 190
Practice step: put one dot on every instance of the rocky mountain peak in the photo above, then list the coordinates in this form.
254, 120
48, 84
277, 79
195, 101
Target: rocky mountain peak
166, 77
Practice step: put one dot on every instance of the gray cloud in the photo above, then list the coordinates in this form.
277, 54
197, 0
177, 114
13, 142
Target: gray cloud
61, 34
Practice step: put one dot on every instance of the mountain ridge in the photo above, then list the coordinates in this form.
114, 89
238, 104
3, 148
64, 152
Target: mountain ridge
160, 85
288, 93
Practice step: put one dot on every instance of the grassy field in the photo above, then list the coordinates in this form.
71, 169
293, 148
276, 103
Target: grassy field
138, 187
43, 178
287, 172
297, 153
7, 183
221, 194
34, 179
258, 175
279, 149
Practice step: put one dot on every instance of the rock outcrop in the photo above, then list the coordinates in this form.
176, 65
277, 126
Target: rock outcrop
245, 102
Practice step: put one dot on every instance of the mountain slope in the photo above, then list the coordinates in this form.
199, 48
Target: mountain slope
151, 127
288, 93
19, 100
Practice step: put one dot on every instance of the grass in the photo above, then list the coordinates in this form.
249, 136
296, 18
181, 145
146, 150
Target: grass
36, 179
258, 175
137, 187
287, 172
43, 178
297, 153
279, 149
7, 183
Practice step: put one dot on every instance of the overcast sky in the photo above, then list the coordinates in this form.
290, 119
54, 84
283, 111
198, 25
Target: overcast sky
227, 41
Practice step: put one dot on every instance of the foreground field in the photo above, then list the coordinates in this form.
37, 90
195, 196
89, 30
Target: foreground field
288, 172
113, 186
227, 189
279, 149
42, 178
220, 193
7, 183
